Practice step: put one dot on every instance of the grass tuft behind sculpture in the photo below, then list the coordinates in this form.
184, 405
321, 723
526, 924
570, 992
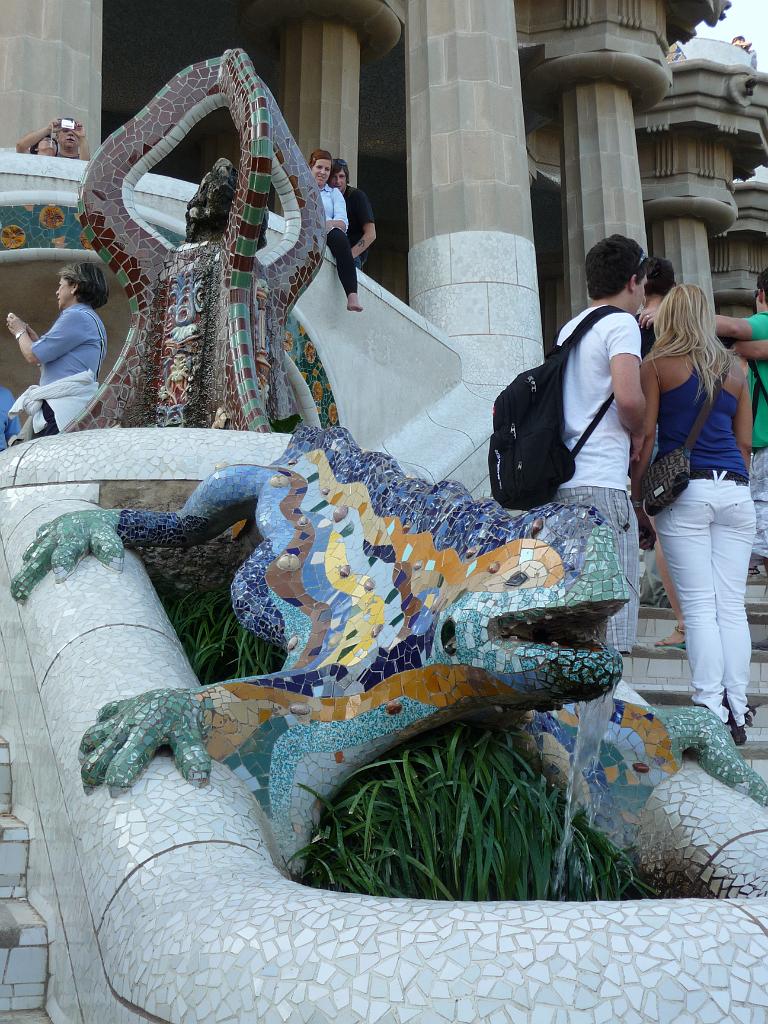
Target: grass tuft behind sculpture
459, 815
216, 644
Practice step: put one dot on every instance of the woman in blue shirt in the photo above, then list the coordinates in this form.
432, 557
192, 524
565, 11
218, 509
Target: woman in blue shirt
9, 425
708, 531
70, 354
336, 222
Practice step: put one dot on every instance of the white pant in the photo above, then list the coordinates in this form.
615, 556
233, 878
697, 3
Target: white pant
707, 535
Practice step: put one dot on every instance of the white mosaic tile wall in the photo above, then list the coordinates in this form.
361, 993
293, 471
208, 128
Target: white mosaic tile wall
164, 903
701, 836
23, 959
5, 777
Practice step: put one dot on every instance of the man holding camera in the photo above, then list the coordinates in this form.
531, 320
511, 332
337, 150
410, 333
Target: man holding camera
66, 132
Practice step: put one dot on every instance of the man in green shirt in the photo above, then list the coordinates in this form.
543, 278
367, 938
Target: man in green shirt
751, 342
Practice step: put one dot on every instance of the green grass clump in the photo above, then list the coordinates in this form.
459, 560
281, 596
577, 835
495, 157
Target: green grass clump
458, 814
216, 644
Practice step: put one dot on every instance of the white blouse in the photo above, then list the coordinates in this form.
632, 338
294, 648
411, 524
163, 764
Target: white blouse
335, 207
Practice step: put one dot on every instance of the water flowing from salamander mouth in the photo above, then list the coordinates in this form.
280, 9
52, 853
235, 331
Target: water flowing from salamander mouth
594, 716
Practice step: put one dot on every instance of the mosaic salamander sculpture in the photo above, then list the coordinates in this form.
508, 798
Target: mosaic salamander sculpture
399, 604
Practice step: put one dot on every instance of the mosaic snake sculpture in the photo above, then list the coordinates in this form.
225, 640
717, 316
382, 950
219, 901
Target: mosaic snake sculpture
400, 605
234, 348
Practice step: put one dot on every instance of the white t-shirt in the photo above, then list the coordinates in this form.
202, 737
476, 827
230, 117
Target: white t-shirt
604, 459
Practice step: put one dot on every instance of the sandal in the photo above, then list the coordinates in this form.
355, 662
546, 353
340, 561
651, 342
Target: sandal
676, 639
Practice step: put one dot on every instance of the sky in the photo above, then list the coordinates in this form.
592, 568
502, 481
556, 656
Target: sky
745, 18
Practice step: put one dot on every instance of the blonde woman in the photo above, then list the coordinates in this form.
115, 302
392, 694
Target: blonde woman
708, 531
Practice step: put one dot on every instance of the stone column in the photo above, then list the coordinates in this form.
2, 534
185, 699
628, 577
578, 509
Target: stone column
50, 65
321, 104
591, 64
688, 165
601, 190
321, 45
472, 265
684, 241
740, 254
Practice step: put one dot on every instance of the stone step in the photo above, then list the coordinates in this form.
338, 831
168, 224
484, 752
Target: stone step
5, 777
14, 851
757, 735
656, 623
649, 664
666, 695
25, 1017
23, 957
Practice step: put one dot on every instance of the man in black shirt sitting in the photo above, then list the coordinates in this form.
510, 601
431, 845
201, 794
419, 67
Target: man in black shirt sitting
362, 230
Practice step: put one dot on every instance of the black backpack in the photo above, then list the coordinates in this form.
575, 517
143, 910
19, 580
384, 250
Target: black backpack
527, 458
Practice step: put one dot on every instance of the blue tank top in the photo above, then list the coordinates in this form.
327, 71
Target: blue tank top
716, 446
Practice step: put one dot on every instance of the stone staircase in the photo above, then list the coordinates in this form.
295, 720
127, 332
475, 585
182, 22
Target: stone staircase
662, 676
23, 934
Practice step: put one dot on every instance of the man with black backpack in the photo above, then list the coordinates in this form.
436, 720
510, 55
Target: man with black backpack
750, 336
605, 363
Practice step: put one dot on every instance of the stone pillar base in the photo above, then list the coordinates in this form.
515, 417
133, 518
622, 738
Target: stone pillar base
480, 287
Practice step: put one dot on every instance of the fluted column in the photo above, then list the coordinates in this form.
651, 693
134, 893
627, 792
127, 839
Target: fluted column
739, 255
50, 65
591, 65
601, 190
321, 44
688, 168
684, 241
321, 104
472, 264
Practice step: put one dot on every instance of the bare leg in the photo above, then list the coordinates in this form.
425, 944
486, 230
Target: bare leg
677, 636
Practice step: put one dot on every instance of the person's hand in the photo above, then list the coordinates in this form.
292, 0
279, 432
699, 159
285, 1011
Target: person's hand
645, 529
636, 447
14, 324
79, 130
53, 127
336, 224
647, 317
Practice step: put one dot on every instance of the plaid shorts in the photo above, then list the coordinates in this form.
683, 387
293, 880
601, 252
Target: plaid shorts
758, 486
616, 509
